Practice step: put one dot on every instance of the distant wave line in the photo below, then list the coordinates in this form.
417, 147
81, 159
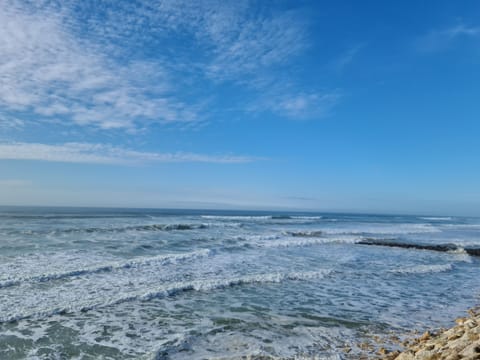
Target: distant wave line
71, 216
437, 218
260, 217
145, 227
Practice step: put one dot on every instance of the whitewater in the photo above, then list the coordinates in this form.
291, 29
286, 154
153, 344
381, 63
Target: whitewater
78, 283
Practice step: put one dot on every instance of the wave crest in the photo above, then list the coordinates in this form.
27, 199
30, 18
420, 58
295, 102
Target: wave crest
178, 288
144, 261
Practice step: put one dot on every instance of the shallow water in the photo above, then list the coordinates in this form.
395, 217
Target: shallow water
171, 284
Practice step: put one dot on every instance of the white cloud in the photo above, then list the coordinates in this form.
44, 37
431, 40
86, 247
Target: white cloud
461, 30
105, 154
47, 70
254, 45
10, 122
301, 105
437, 40
229, 38
126, 65
347, 57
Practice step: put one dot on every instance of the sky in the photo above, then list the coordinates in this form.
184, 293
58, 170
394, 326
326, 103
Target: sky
364, 106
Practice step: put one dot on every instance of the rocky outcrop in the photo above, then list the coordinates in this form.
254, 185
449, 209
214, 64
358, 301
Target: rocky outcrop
459, 342
432, 247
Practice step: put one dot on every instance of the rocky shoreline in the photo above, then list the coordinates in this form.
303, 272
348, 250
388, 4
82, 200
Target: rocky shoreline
459, 342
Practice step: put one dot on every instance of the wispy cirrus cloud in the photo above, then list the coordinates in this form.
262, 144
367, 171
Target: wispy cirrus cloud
53, 73
105, 154
230, 38
441, 39
300, 105
254, 45
347, 57
130, 64
10, 122
308, 105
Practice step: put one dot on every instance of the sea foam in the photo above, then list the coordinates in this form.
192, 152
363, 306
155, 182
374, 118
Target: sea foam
171, 290
141, 261
423, 269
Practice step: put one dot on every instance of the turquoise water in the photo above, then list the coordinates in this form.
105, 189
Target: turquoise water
171, 284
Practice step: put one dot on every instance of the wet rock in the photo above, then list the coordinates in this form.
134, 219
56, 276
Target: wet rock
425, 336
383, 351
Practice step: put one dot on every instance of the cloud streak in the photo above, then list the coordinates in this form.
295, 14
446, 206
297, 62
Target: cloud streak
106, 154
340, 63
299, 105
437, 40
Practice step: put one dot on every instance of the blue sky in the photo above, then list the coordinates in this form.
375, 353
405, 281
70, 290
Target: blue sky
336, 106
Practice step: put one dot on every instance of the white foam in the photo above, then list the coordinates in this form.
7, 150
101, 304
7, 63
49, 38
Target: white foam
259, 217
462, 226
423, 269
170, 290
302, 336
309, 233
461, 255
255, 238
382, 229
294, 242
236, 217
221, 283
143, 261
437, 218
458, 251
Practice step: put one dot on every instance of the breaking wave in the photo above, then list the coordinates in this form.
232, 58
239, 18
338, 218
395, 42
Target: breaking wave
260, 217
175, 289
134, 263
367, 230
316, 233
309, 242
236, 217
437, 218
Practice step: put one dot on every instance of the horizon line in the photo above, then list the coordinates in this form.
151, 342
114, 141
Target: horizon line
239, 209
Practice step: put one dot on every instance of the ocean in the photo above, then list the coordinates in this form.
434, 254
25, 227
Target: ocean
79, 283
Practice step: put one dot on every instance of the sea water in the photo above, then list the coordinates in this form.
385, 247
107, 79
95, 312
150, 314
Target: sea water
180, 284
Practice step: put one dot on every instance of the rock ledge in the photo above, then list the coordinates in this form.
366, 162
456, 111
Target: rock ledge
459, 342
